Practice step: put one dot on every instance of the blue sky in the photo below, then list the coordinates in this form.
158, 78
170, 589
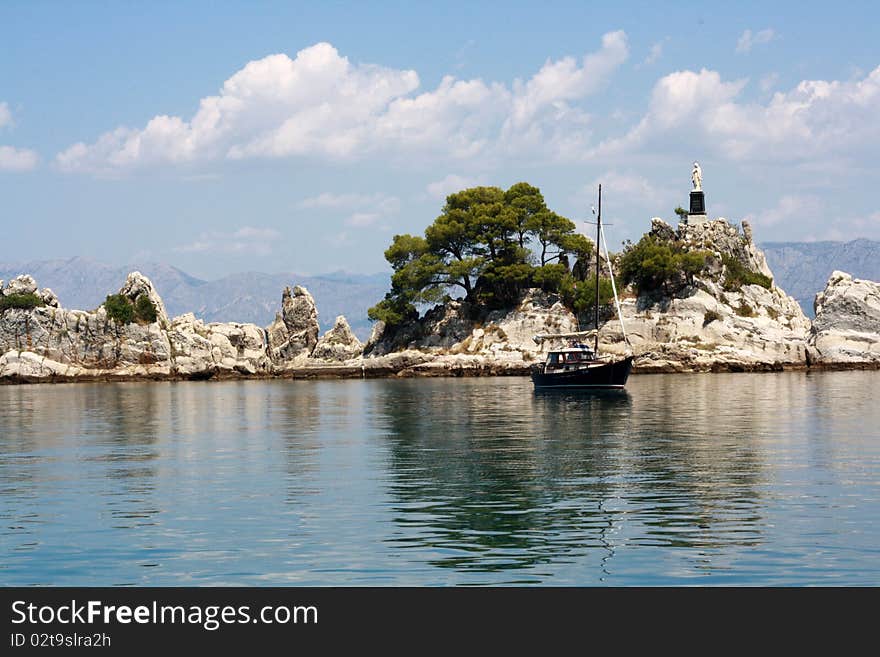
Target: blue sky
223, 137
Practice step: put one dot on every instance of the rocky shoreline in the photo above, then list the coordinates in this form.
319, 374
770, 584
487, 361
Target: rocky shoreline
704, 327
430, 369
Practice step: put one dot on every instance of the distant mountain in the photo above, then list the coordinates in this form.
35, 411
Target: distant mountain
248, 297
803, 268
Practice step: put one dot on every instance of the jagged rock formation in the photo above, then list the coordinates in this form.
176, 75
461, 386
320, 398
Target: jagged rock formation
338, 344
136, 285
244, 296
49, 342
723, 237
25, 284
700, 327
704, 327
847, 324
294, 333
203, 349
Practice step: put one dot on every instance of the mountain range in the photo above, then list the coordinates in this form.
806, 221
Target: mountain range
803, 268
800, 268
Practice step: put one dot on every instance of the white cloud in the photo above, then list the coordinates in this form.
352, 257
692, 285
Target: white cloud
440, 189
11, 158
248, 239
790, 206
811, 218
5, 115
380, 202
17, 159
627, 189
362, 219
747, 40
320, 104
816, 119
370, 208
655, 53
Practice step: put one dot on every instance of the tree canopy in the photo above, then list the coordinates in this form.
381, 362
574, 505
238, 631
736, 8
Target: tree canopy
489, 244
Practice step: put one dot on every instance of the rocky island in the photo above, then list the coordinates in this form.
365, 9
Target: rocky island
699, 297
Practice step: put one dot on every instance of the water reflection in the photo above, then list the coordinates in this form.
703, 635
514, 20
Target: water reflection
754, 479
487, 478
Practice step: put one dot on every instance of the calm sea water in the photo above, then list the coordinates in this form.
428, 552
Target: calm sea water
684, 479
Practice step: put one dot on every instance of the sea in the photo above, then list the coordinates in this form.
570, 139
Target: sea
683, 479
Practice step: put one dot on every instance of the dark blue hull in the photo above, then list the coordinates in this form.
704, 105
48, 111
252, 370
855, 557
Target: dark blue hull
606, 375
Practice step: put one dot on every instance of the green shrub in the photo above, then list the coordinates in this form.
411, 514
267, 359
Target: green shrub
737, 275
145, 310
744, 310
710, 316
654, 264
549, 277
119, 308
23, 301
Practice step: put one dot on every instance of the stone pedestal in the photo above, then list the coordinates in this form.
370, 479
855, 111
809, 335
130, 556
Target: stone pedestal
697, 212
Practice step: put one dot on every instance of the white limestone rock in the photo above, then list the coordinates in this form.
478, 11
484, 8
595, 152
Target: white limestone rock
710, 329
136, 284
24, 284
203, 349
338, 344
49, 298
294, 333
847, 325
720, 236
29, 366
510, 335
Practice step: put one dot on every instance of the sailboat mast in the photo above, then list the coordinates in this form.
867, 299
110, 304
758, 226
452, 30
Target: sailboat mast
598, 238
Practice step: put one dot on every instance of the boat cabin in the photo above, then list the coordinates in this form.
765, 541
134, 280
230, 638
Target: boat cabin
570, 358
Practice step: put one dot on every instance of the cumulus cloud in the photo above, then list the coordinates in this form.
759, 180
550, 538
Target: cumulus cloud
319, 104
747, 40
11, 158
815, 119
17, 159
247, 239
440, 189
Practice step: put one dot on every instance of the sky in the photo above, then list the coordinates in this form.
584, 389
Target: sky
260, 136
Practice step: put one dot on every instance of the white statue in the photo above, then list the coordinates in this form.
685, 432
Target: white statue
697, 177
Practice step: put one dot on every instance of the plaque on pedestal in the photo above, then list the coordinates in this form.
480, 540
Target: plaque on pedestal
697, 213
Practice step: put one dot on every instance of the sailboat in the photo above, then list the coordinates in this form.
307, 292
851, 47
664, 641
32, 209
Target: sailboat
580, 365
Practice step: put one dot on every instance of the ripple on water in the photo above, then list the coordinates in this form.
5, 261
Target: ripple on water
707, 479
